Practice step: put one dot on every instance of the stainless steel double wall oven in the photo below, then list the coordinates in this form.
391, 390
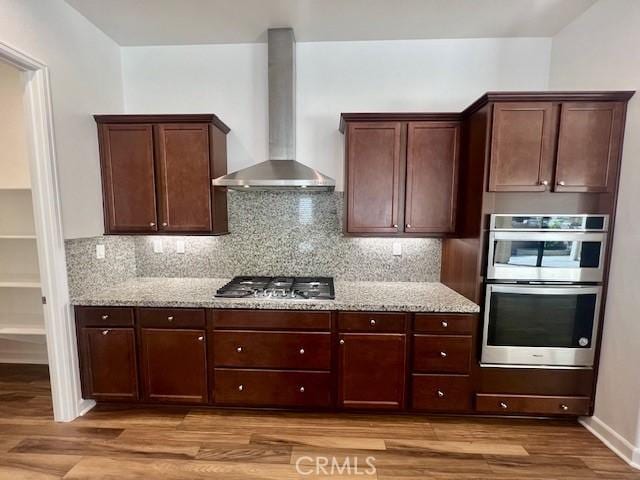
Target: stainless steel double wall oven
544, 289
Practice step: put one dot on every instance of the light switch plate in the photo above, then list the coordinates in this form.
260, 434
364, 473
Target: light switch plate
157, 245
100, 252
397, 248
180, 246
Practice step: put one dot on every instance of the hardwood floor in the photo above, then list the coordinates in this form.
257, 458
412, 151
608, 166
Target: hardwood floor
184, 443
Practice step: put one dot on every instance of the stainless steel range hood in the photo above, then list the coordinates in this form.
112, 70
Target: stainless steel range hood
281, 171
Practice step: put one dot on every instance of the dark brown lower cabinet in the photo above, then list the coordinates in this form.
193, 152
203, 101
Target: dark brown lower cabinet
372, 370
108, 358
174, 365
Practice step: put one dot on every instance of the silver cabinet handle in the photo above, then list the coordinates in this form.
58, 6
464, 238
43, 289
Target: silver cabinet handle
372, 322
443, 354
152, 224
408, 226
564, 407
239, 349
105, 332
164, 224
240, 388
341, 342
302, 351
301, 389
544, 182
440, 394
395, 225
105, 316
561, 183
444, 324
201, 338
503, 405
170, 318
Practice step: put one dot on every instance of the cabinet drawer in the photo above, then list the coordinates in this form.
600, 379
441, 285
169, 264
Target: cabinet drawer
104, 316
372, 322
441, 353
171, 318
532, 404
271, 319
272, 388
295, 350
445, 324
446, 393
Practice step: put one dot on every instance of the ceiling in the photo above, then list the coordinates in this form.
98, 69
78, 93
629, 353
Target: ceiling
175, 22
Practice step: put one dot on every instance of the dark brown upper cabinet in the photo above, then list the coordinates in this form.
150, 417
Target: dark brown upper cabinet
400, 173
157, 172
561, 146
522, 147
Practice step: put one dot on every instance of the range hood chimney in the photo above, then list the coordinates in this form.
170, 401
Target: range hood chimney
281, 171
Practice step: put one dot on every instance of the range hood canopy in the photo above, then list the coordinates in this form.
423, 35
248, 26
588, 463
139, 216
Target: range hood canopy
282, 171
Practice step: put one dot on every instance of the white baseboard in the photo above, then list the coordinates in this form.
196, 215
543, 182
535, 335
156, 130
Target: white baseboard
613, 440
84, 406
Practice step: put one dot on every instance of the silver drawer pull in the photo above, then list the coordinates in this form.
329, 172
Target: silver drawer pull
170, 318
201, 338
564, 407
301, 389
105, 316
440, 394
503, 405
239, 349
240, 388
105, 332
443, 354
302, 351
444, 324
341, 342
372, 322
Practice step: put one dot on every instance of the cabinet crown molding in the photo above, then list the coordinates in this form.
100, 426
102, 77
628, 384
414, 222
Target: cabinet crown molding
164, 118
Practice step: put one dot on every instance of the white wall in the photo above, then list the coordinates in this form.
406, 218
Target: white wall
14, 161
332, 77
86, 78
599, 50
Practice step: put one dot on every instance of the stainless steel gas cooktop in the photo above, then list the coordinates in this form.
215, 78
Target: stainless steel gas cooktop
282, 288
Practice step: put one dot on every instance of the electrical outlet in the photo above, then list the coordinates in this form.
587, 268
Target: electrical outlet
100, 252
157, 245
397, 249
180, 246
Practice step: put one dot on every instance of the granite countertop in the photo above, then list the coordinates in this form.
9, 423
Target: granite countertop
354, 296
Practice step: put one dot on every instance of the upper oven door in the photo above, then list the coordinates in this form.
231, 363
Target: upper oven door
542, 325
546, 256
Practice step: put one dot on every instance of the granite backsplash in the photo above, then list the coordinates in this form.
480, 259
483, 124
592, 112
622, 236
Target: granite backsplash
272, 233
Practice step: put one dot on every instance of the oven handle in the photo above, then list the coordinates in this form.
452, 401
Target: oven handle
544, 290
549, 236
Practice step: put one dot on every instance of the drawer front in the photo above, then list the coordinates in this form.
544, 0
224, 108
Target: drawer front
372, 322
271, 319
445, 324
295, 350
532, 404
272, 388
104, 316
442, 393
441, 353
171, 317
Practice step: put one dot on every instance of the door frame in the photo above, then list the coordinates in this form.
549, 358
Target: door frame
58, 315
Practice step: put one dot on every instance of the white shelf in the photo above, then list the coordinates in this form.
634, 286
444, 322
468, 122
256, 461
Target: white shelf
17, 237
18, 330
20, 281
13, 189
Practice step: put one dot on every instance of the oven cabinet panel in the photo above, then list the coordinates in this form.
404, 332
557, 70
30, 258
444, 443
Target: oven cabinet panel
522, 147
108, 363
371, 371
548, 256
542, 325
532, 405
589, 144
174, 366
272, 388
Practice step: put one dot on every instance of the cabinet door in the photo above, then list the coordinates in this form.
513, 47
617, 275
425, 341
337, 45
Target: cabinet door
589, 146
372, 370
108, 363
522, 147
128, 181
432, 168
184, 179
374, 177
174, 365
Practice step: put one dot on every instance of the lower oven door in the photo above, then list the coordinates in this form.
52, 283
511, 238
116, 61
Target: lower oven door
541, 325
